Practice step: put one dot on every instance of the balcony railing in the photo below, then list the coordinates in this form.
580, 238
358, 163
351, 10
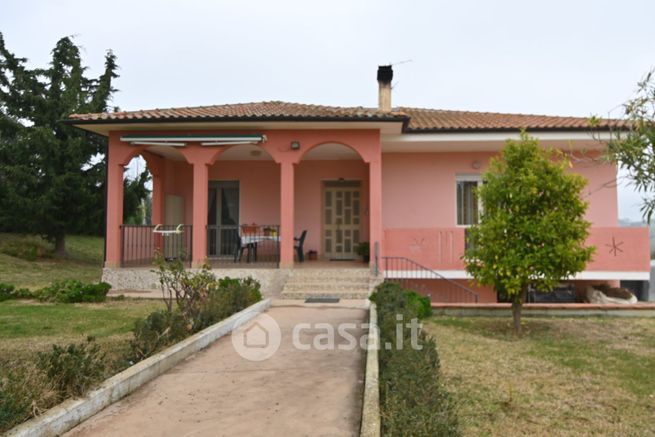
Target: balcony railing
243, 246
412, 275
141, 243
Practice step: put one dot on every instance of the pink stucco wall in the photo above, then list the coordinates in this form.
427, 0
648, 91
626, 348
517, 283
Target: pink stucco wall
419, 211
259, 188
418, 189
617, 249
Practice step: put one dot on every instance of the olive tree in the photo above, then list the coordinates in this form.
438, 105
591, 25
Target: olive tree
532, 229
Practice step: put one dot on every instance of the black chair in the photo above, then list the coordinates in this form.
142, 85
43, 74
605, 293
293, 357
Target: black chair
299, 246
241, 246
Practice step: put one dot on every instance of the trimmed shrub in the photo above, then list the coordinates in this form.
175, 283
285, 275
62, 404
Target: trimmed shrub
74, 291
8, 291
229, 297
413, 400
73, 369
155, 332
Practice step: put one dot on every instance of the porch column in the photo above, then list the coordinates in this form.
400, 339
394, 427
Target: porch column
118, 156
286, 214
375, 207
115, 171
200, 196
157, 216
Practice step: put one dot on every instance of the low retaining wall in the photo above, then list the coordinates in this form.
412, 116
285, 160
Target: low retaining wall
371, 405
72, 412
146, 279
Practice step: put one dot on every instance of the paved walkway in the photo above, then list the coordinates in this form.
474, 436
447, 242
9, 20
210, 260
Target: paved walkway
218, 393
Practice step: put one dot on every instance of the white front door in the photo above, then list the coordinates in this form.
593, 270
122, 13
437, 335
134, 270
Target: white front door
341, 219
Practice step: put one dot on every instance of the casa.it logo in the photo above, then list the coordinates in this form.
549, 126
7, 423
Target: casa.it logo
257, 339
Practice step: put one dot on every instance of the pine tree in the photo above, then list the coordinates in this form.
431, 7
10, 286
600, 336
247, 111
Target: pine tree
52, 175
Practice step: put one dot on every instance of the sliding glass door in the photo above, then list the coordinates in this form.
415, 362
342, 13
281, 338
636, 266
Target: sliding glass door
223, 218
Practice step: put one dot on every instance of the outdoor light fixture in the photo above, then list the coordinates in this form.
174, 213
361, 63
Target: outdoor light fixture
475, 164
295, 145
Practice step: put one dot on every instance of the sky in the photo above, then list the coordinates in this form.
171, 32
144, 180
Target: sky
573, 57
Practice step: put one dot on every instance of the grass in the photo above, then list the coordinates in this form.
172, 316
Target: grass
566, 376
83, 261
27, 327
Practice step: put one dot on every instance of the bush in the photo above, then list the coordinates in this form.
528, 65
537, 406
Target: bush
74, 291
10, 292
15, 404
413, 400
155, 332
73, 369
27, 249
194, 301
229, 297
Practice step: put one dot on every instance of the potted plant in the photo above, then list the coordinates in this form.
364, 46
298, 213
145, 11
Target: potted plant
363, 249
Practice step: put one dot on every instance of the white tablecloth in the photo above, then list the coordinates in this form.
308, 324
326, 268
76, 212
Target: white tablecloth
254, 239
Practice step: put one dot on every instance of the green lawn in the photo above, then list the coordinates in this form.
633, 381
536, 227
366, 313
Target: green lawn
27, 327
566, 376
84, 262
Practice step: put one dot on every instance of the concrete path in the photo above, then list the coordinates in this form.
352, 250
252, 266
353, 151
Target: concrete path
218, 393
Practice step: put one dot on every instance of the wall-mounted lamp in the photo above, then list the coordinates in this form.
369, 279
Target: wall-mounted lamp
475, 164
295, 145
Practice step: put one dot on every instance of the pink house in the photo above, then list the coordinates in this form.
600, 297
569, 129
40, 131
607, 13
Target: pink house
237, 186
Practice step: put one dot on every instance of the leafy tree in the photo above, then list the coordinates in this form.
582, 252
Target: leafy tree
532, 228
634, 149
52, 179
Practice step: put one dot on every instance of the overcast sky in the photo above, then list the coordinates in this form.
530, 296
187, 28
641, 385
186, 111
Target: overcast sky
552, 57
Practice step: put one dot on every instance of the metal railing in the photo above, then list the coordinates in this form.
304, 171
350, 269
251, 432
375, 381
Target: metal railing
141, 243
243, 246
412, 275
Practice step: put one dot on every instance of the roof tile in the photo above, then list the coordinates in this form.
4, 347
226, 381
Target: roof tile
417, 119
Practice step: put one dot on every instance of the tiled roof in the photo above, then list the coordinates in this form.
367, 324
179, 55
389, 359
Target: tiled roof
247, 111
415, 119
435, 120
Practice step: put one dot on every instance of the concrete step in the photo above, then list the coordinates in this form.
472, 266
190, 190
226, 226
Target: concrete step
333, 285
340, 295
326, 279
330, 273
345, 283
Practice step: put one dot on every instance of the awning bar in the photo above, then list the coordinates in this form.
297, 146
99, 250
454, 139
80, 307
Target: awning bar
157, 143
181, 140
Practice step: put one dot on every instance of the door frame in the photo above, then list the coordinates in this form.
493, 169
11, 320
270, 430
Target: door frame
360, 186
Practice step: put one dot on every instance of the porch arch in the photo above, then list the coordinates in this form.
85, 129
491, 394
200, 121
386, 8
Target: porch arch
330, 143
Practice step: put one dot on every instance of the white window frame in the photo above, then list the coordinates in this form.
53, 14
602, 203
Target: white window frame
467, 177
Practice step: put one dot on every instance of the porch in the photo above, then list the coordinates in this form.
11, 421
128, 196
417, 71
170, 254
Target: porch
267, 201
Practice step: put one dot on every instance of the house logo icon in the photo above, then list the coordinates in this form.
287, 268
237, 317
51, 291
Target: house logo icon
256, 336
256, 339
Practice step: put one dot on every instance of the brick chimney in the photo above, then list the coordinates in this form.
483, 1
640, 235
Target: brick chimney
385, 75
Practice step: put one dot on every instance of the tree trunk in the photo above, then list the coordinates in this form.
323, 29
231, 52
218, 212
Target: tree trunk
60, 246
517, 305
